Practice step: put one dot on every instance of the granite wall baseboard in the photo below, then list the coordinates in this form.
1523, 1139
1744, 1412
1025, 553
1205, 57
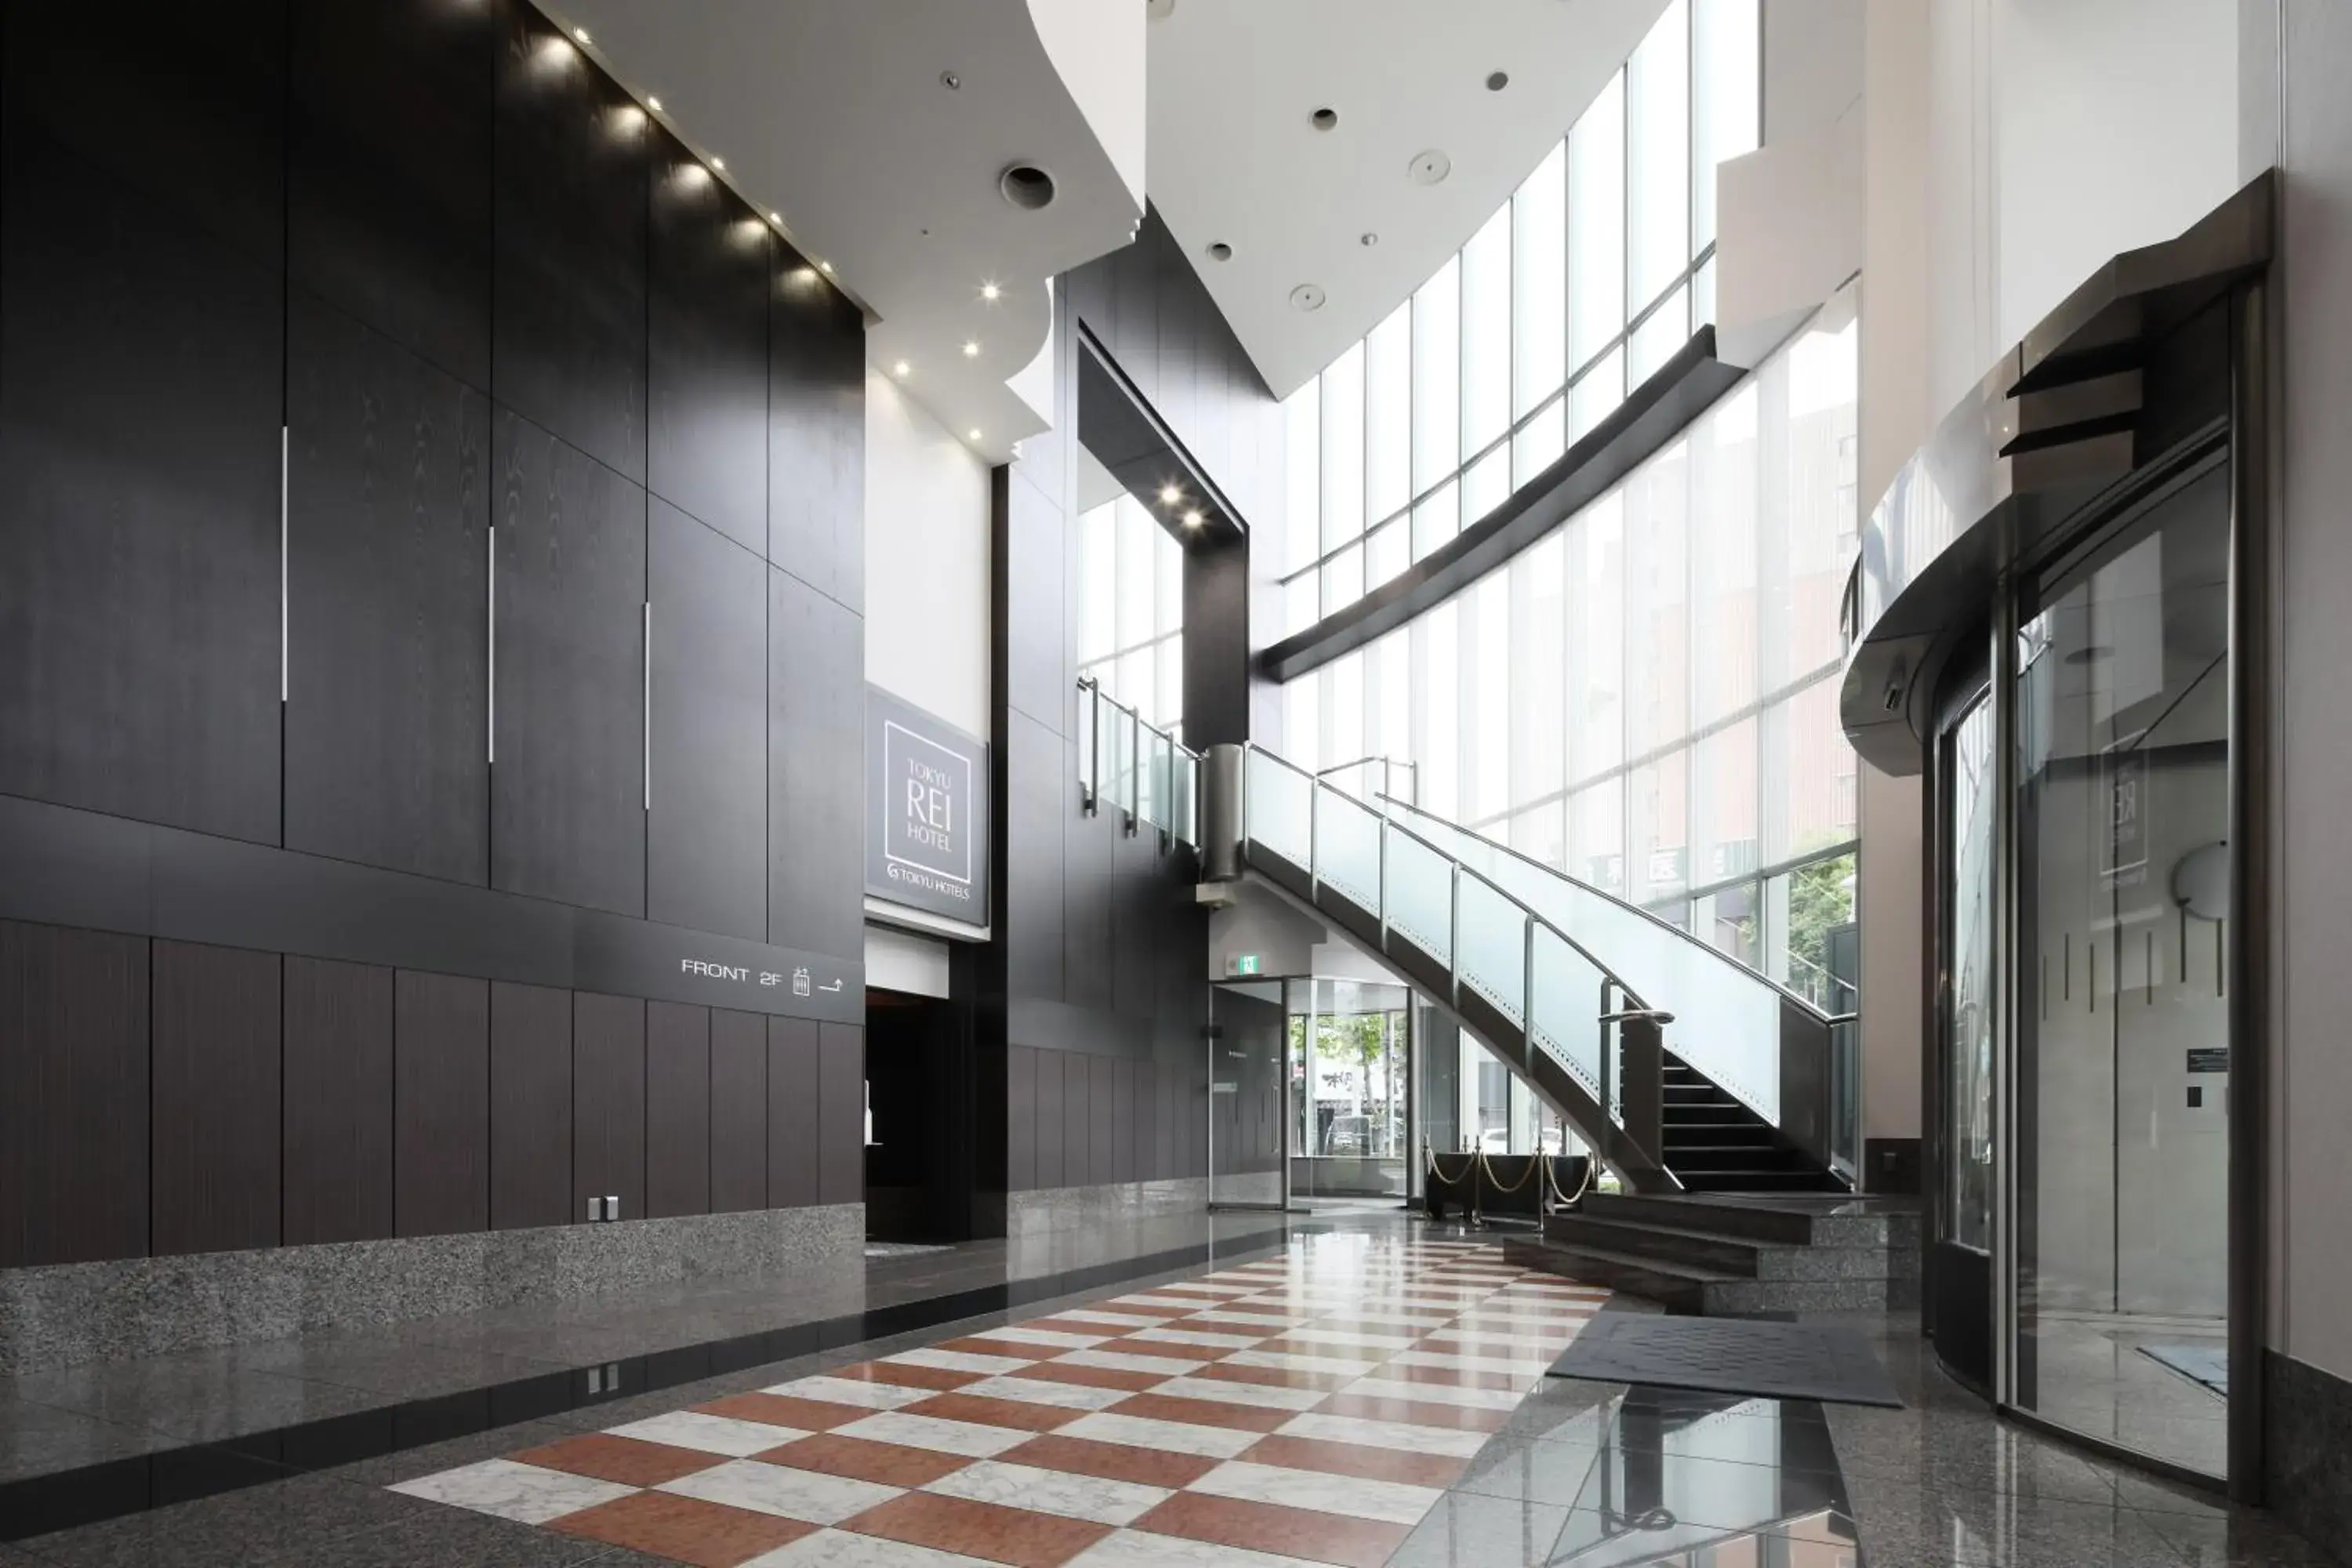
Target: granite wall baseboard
1044, 1209
74, 1313
2307, 1450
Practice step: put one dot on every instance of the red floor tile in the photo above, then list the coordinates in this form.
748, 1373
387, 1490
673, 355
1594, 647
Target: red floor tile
975, 1344
786, 1410
984, 1529
889, 1463
1267, 1527
1414, 1411
628, 1460
1205, 1412
1111, 1462
906, 1374
986, 1412
684, 1528
1355, 1459
1093, 1376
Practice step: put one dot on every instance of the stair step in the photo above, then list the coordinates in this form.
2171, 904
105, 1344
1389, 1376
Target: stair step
1788, 1179
1735, 1255
1681, 1286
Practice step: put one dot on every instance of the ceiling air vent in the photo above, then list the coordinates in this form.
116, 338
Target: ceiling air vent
1026, 186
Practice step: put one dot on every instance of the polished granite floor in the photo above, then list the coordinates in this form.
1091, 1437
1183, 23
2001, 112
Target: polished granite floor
1370, 1394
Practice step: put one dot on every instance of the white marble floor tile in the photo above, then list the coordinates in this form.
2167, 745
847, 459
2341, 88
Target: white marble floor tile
1363, 1337
841, 1549
1178, 1301
969, 1438
1206, 1339
710, 1434
961, 1361
524, 1493
1263, 1395
1118, 1361
1057, 1338
1111, 1316
1384, 1434
1441, 1393
852, 1391
1072, 1496
1353, 1497
1035, 1391
806, 1495
1516, 1366
1143, 1432
1292, 1361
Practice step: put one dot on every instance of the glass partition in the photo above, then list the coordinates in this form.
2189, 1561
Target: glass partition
1248, 1097
1350, 1050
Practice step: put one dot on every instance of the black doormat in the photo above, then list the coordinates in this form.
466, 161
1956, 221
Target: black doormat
1729, 1355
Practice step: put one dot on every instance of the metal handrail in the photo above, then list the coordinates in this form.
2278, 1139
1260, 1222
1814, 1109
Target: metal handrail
1460, 866
1548, 869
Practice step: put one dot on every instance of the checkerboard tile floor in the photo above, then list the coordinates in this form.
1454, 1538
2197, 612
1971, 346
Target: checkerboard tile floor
1306, 1408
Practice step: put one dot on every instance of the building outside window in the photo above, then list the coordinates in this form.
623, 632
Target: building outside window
1585, 281
1131, 620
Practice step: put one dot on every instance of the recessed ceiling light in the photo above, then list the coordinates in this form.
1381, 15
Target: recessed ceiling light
653, 104
950, 81
1497, 81
825, 267
1170, 495
582, 33
719, 163
989, 291
900, 369
1192, 519
971, 348
1324, 119
1220, 251
973, 434
775, 217
1368, 238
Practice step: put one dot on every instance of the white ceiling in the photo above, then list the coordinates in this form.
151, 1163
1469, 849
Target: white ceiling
1233, 156
834, 114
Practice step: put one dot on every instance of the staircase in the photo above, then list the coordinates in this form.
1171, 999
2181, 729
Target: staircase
1713, 1143
1535, 965
1723, 1257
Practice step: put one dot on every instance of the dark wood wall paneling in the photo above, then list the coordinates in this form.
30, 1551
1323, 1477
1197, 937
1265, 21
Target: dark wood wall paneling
441, 1104
568, 783
530, 1107
477, 289
569, 226
739, 1112
214, 1094
817, 432
73, 1095
817, 770
339, 1101
608, 1102
387, 598
707, 832
794, 1055
678, 1110
139, 405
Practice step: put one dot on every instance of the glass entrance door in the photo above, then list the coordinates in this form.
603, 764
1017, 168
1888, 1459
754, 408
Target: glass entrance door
1248, 1105
1961, 1270
2121, 1063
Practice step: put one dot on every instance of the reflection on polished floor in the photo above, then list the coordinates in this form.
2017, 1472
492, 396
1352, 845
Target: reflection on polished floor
1363, 1391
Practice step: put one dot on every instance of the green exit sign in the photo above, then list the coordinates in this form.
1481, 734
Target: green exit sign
1244, 963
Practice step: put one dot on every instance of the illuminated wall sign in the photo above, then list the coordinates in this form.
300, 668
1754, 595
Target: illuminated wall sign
927, 811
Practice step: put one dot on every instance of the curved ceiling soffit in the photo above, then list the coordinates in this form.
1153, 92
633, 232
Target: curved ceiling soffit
877, 136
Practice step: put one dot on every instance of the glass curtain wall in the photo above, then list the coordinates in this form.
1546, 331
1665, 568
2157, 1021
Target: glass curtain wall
1350, 1069
1647, 698
1583, 284
1131, 611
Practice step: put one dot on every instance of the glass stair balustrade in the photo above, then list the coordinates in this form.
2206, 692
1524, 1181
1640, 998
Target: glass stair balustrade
1538, 998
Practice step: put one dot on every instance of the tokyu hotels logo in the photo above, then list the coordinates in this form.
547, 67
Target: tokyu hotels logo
930, 800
